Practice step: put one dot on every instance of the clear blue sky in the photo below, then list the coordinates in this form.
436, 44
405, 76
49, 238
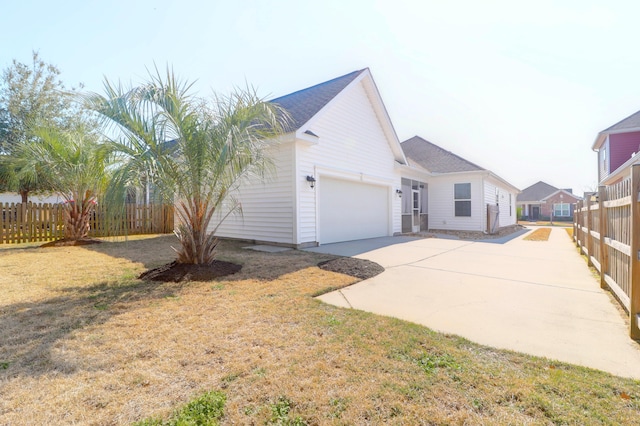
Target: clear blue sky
520, 88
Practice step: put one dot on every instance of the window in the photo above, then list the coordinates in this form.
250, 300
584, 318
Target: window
462, 196
561, 210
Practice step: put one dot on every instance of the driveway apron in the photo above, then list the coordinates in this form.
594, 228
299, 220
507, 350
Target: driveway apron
536, 297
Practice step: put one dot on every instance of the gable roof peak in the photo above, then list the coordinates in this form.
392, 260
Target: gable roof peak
303, 104
536, 192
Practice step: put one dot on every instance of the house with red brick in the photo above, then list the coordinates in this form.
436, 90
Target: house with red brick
542, 201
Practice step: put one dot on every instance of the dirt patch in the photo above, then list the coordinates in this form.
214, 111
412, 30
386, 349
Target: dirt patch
180, 272
359, 268
541, 234
67, 242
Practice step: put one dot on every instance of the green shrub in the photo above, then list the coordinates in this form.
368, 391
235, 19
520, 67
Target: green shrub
206, 410
280, 414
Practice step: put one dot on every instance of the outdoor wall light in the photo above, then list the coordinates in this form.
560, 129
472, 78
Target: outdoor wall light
312, 181
399, 193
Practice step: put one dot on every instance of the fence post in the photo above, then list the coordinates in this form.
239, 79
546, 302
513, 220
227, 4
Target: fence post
588, 237
604, 252
634, 287
575, 223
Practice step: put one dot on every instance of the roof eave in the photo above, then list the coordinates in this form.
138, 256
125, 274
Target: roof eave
619, 172
602, 136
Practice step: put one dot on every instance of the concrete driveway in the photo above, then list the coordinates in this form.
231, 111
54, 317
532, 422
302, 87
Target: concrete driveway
534, 297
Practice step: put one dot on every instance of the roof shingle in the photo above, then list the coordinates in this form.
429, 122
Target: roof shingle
435, 159
631, 122
536, 192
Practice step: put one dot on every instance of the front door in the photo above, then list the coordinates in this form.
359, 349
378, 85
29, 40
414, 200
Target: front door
415, 210
535, 212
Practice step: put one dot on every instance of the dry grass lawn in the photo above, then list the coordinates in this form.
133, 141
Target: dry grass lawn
540, 234
82, 341
569, 232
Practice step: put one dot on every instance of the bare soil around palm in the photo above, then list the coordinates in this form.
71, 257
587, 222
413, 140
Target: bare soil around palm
182, 272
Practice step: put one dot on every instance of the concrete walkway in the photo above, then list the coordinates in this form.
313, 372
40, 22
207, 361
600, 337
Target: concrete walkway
529, 296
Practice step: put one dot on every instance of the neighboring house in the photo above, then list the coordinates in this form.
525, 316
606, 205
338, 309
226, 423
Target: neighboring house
618, 147
341, 174
475, 191
542, 201
13, 197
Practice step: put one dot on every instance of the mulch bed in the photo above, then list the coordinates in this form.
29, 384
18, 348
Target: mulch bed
359, 268
179, 272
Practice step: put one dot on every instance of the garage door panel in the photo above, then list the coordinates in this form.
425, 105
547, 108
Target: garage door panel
351, 210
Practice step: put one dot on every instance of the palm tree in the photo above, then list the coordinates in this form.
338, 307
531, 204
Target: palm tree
195, 153
69, 163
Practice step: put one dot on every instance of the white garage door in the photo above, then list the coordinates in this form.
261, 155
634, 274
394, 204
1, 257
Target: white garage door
351, 210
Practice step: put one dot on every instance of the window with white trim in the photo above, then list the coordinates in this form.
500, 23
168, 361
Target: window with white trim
561, 210
462, 198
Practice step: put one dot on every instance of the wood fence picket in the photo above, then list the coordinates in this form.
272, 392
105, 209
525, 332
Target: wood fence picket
606, 228
35, 222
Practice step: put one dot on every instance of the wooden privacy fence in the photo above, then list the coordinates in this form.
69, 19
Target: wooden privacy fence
607, 230
31, 222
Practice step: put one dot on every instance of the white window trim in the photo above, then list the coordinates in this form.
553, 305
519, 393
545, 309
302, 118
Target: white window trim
456, 200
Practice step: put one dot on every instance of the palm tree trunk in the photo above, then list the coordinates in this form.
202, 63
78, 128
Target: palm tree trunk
76, 219
197, 246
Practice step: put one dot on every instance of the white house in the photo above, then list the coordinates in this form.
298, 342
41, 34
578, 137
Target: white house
461, 195
342, 174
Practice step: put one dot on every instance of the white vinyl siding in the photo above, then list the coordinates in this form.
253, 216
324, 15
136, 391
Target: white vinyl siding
267, 206
442, 203
497, 192
351, 145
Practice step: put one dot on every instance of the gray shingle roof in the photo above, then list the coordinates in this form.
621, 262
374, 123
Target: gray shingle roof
631, 122
304, 104
536, 192
435, 159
